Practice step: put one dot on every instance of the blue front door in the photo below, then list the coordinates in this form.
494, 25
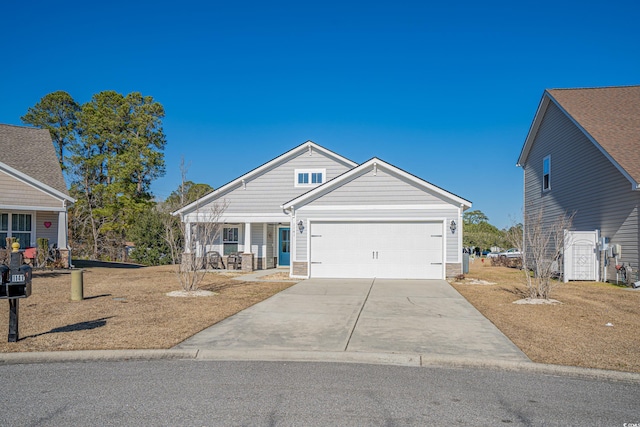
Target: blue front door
284, 246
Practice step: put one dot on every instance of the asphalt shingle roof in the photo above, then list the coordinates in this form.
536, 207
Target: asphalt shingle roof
30, 151
611, 115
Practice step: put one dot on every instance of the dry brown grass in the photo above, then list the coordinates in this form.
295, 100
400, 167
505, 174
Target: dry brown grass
124, 308
573, 333
281, 275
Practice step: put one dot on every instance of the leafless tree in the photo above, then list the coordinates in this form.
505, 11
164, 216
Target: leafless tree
188, 241
541, 242
189, 245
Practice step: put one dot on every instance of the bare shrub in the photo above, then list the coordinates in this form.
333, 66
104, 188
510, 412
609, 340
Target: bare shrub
188, 243
542, 242
503, 261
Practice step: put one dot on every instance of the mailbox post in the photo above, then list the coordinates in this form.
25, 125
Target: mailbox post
16, 284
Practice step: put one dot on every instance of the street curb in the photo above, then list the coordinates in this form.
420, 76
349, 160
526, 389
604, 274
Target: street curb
312, 356
530, 367
93, 355
393, 359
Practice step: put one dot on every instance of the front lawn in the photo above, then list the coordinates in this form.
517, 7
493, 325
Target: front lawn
124, 308
596, 326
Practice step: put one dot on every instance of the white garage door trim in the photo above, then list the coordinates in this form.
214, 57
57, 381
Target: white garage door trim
365, 266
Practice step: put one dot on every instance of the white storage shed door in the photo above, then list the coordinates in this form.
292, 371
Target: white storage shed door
581, 255
392, 250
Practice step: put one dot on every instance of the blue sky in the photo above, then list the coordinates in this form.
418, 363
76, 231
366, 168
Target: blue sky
446, 92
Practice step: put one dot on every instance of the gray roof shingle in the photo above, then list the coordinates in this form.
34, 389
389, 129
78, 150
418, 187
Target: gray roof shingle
30, 151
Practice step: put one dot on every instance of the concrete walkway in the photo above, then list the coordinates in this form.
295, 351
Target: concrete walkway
380, 316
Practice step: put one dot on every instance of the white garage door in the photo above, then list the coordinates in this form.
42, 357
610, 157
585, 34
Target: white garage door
392, 250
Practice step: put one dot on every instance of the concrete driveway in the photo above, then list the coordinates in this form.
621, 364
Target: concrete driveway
426, 317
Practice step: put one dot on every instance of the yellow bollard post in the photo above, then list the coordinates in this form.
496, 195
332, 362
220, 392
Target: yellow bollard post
77, 290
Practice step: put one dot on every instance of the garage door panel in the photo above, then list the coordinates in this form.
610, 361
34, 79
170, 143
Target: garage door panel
377, 249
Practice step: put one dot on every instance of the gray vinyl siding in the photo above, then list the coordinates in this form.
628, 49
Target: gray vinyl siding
383, 188
50, 233
378, 188
266, 192
583, 181
14, 192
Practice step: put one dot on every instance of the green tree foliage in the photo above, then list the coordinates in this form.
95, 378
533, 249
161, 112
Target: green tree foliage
115, 149
187, 193
479, 233
159, 237
118, 155
56, 112
148, 234
475, 217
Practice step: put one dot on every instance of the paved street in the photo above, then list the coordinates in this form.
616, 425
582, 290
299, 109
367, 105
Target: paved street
208, 393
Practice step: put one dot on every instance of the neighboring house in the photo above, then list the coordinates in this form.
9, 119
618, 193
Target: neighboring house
323, 215
33, 193
582, 157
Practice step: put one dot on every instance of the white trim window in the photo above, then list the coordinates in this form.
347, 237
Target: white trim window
546, 173
309, 177
18, 225
229, 240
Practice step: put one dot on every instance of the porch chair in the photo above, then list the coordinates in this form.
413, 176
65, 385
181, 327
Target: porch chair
214, 260
234, 259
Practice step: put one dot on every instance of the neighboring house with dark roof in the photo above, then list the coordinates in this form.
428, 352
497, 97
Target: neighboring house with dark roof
322, 215
33, 194
582, 156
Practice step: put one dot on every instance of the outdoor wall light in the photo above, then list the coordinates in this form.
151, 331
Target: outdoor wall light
301, 226
453, 226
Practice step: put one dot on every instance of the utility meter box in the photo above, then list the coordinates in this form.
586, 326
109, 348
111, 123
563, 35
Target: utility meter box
617, 250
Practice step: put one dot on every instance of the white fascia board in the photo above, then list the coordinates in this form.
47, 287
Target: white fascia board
32, 208
234, 218
309, 145
35, 183
338, 181
376, 207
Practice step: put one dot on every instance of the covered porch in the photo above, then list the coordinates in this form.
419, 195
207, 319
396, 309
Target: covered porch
247, 245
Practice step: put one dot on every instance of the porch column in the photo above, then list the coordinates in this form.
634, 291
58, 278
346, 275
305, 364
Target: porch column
187, 237
63, 238
247, 256
62, 230
188, 258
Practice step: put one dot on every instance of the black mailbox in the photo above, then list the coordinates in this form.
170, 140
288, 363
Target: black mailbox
16, 284
16, 279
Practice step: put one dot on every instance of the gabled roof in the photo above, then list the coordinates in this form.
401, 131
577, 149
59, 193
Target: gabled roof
374, 162
28, 154
309, 145
608, 116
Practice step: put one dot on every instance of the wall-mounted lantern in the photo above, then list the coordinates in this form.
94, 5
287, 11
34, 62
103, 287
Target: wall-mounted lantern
301, 226
453, 227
